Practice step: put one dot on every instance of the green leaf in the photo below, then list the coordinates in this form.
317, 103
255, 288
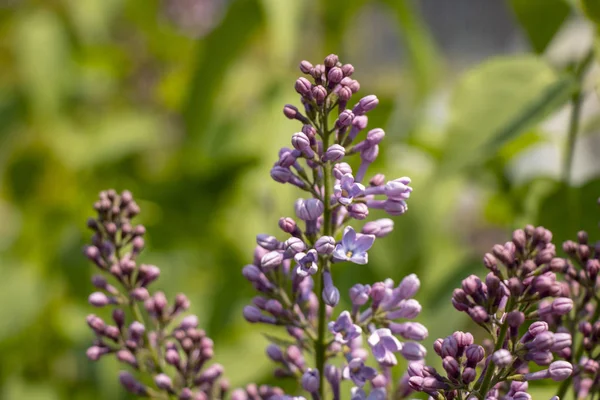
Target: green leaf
495, 102
541, 19
221, 48
591, 8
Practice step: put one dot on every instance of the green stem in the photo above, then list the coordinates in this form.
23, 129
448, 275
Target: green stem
576, 102
489, 373
138, 316
321, 345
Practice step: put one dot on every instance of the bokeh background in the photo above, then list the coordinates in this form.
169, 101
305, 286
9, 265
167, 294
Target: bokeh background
180, 101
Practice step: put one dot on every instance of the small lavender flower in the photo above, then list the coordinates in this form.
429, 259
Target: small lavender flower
353, 247
344, 329
347, 189
358, 372
307, 263
384, 345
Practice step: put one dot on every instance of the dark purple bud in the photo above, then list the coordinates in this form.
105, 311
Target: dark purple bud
172, 358
131, 384
268, 242
537, 327
503, 255
319, 93
303, 86
288, 225
330, 62
252, 314
490, 262
540, 357
413, 351
519, 239
449, 347
515, 286
305, 67
334, 153
345, 119
438, 345
474, 354
163, 382
585, 328
469, 374
451, 367
275, 353
274, 307
471, 285
478, 314
335, 75
515, 319
378, 292
290, 111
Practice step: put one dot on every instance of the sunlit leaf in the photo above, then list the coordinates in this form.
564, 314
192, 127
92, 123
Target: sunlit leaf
495, 102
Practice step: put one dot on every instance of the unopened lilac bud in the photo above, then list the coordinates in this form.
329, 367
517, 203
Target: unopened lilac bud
348, 69
478, 314
163, 382
344, 93
561, 340
475, 354
334, 153
305, 66
344, 119
140, 294
330, 62
294, 246
359, 294
125, 356
271, 260
274, 352
379, 228
409, 330
395, 207
303, 86
335, 75
290, 111
252, 314
358, 211
378, 292
331, 294
191, 321
319, 93
451, 366
515, 319
366, 104
471, 285
562, 306
407, 309
370, 154
341, 169
309, 210
95, 352
409, 286
490, 262
98, 299
449, 347
560, 370
310, 380
131, 384
502, 358
325, 245
288, 225
281, 174
267, 242
544, 341
172, 357
540, 357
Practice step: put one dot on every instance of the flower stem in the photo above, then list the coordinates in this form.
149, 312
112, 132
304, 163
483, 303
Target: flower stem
489, 373
576, 102
321, 346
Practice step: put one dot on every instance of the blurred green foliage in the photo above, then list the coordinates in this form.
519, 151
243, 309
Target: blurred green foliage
97, 94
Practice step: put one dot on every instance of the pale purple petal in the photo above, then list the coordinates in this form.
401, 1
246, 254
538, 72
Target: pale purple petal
360, 258
363, 243
348, 238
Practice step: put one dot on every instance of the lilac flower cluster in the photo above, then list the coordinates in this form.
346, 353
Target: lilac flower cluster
521, 286
148, 335
294, 273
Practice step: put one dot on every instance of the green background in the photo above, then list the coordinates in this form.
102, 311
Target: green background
185, 110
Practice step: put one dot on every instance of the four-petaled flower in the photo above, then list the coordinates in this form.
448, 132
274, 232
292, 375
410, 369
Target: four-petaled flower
344, 329
358, 372
347, 189
384, 345
353, 247
307, 263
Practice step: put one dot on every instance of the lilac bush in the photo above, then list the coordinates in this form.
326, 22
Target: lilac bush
541, 312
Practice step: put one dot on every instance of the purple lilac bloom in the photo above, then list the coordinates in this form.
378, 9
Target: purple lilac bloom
347, 189
307, 263
358, 372
353, 247
384, 345
344, 329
